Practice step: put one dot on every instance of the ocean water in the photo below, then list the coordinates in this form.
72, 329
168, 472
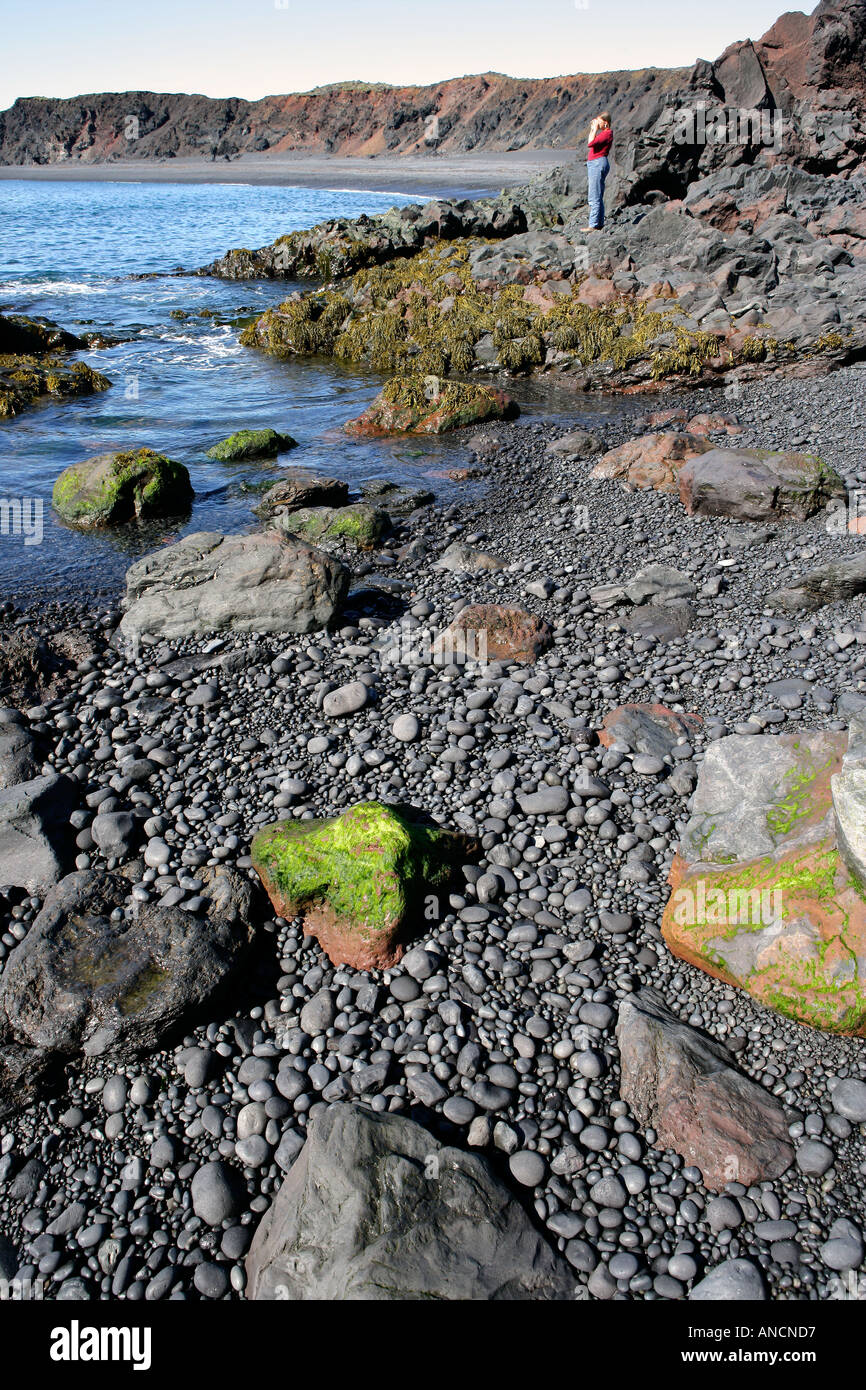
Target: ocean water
73, 252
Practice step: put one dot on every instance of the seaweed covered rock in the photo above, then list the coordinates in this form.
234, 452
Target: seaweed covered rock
376, 1208
251, 444
110, 489
356, 525
757, 484
762, 895
419, 405
19, 334
25, 380
355, 878
207, 582
84, 982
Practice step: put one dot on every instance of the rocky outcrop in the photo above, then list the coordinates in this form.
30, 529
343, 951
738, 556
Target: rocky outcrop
684, 1085
83, 981
762, 890
417, 405
35, 840
651, 461
33, 364
110, 489
840, 580
355, 878
207, 582
376, 1208
356, 525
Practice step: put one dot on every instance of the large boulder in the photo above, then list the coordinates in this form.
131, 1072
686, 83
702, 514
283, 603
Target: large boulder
464, 559
651, 461
207, 582
375, 1208
757, 484
36, 842
493, 632
685, 1086
83, 982
251, 444
110, 489
18, 760
431, 405
355, 878
643, 728
762, 896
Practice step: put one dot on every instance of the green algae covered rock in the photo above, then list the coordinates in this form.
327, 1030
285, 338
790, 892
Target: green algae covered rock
251, 444
110, 489
762, 896
355, 878
430, 405
357, 524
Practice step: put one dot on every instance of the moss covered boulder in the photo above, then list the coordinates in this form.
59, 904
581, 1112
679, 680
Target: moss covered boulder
761, 893
251, 444
297, 490
357, 525
24, 381
110, 489
356, 879
431, 405
757, 484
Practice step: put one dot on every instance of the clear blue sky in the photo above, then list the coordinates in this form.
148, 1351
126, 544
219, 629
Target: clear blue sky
251, 48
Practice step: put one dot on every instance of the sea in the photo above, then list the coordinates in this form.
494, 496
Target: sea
116, 258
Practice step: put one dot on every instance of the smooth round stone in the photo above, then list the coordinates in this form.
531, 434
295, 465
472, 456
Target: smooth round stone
527, 1167
251, 1120
114, 1094
609, 1192
594, 1138
156, 853
406, 728
723, 1214
459, 1110
348, 699
253, 1152
216, 1193
844, 1249
419, 963
405, 989
646, 764
210, 1280
849, 1099
733, 1281
682, 1267
814, 1158
489, 1097
623, 1266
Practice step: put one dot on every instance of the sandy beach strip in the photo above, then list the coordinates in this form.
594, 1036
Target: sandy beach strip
431, 174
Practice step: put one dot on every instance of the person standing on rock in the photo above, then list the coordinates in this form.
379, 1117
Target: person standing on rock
597, 169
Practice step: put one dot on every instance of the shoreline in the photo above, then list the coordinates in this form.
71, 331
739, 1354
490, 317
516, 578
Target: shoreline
433, 174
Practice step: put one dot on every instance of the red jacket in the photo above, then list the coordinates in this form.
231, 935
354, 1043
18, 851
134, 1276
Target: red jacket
600, 144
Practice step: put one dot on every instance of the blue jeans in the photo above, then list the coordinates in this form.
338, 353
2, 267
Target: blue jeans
596, 174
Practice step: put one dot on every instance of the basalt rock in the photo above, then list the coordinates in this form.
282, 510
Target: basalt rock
207, 582
762, 891
376, 1208
409, 406
757, 485
494, 632
82, 982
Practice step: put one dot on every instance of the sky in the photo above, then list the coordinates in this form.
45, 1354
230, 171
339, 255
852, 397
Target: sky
252, 48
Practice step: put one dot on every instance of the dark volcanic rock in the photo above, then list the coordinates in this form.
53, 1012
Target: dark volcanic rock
376, 1208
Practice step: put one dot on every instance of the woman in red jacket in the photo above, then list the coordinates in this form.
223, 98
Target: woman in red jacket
597, 168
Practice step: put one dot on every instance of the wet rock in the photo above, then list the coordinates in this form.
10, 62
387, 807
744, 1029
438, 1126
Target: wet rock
251, 444
410, 405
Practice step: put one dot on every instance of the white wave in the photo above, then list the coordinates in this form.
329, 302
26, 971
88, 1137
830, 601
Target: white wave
43, 288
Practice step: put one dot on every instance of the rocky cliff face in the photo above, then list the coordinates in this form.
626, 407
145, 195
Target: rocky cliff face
807, 73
